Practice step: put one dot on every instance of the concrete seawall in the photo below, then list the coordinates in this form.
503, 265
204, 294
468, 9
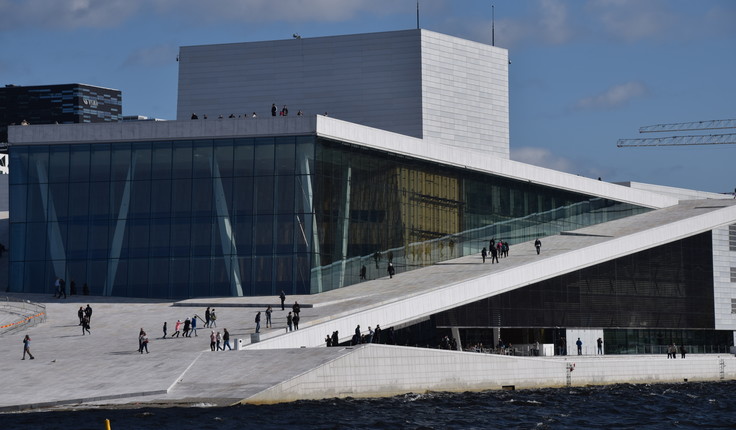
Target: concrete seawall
383, 370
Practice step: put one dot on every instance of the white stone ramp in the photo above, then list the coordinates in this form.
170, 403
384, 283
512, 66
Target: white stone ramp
232, 376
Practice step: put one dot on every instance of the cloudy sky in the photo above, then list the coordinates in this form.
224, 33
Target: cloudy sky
584, 73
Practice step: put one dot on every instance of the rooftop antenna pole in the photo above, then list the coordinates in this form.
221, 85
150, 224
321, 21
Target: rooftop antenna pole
493, 25
417, 14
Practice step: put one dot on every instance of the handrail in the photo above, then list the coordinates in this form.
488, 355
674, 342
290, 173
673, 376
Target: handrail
29, 313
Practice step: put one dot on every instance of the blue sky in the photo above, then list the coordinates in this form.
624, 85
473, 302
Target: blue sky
584, 73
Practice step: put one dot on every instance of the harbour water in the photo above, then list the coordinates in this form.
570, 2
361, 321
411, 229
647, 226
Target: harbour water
681, 406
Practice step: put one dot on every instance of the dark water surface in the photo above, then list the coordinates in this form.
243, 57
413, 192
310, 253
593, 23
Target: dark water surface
663, 406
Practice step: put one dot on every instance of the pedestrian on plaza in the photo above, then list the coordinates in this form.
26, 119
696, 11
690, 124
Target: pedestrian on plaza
187, 324
296, 308
207, 318
683, 351
268, 316
218, 339
164, 330
363, 272
177, 327
377, 334
328, 340
85, 325
258, 322
369, 339
335, 339
213, 340
356, 336
483, 254
579, 343
289, 320
391, 270
213, 318
142, 341
62, 284
194, 326
88, 313
599, 341
226, 339
27, 347
282, 296
295, 321
80, 314
538, 245
273, 109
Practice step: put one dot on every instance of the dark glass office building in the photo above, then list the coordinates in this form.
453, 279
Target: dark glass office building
257, 215
62, 104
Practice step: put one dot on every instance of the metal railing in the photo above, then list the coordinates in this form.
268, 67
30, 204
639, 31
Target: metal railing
18, 314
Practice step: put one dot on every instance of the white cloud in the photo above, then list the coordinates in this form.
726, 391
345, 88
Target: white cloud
632, 20
618, 95
65, 14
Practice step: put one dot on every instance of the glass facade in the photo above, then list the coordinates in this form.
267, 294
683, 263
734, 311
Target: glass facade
254, 216
645, 300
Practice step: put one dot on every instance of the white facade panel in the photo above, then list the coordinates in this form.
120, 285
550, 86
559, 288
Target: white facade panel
724, 290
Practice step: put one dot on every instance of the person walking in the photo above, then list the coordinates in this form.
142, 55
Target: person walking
194, 326
483, 254
143, 341
177, 327
538, 245
88, 312
226, 339
258, 322
85, 325
268, 317
213, 318
164, 330
207, 318
363, 272
494, 255
282, 296
80, 314
296, 308
391, 270
213, 339
218, 339
187, 324
295, 321
27, 348
289, 320
579, 343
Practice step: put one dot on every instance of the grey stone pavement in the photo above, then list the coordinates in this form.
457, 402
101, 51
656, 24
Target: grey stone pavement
105, 366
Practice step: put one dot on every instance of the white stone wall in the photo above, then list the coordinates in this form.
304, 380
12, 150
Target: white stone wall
723, 289
413, 82
382, 370
371, 79
465, 94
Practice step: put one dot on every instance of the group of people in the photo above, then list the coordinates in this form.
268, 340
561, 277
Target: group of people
217, 338
85, 317
284, 111
372, 336
60, 288
185, 329
498, 250
673, 348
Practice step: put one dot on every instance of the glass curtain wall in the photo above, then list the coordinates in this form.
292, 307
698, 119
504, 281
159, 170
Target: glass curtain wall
373, 208
254, 216
174, 219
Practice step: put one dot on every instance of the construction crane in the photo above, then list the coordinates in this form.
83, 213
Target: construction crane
685, 140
